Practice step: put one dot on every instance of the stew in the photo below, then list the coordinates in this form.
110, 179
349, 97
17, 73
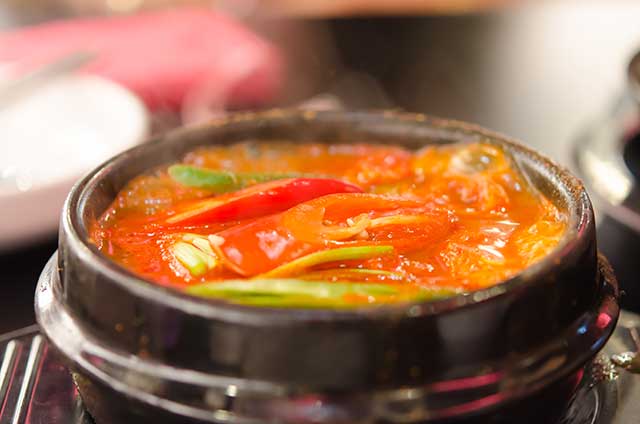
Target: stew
316, 225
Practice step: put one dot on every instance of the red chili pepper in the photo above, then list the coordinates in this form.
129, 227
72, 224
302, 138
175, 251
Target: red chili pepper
259, 200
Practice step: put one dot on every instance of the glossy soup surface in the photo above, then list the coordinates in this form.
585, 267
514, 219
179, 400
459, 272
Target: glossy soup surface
315, 225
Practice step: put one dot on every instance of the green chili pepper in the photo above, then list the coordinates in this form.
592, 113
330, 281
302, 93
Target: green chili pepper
221, 181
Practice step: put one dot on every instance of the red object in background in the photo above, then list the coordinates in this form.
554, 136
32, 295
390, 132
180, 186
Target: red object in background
165, 57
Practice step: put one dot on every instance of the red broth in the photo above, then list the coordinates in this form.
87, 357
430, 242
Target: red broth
315, 225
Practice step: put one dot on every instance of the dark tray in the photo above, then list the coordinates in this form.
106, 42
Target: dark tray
35, 388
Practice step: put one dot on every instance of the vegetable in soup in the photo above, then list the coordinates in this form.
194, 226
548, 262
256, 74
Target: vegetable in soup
318, 225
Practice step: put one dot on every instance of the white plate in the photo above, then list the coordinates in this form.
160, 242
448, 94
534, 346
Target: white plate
52, 136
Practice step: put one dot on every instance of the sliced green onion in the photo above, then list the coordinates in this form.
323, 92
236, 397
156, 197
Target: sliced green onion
201, 242
343, 273
436, 293
291, 287
189, 237
340, 254
194, 259
204, 245
287, 293
221, 181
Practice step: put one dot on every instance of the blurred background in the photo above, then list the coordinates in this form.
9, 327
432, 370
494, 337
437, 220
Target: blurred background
81, 80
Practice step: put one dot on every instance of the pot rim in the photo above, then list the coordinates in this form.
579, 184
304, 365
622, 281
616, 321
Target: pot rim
578, 233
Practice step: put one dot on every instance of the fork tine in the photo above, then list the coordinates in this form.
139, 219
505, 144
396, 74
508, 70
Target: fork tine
7, 368
28, 379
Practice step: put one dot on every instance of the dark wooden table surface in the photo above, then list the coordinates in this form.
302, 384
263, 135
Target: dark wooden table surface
539, 73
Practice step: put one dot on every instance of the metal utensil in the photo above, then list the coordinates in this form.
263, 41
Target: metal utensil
13, 89
34, 385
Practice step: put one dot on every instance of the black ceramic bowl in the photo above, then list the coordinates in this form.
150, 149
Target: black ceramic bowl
140, 351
